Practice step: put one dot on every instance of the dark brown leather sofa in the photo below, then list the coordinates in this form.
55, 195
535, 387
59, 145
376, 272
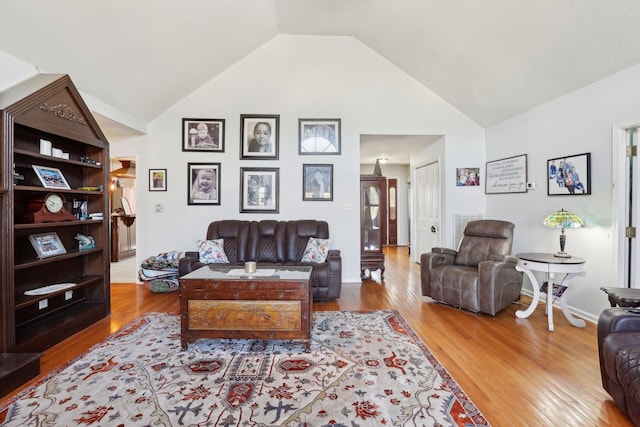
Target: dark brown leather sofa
271, 242
480, 276
619, 352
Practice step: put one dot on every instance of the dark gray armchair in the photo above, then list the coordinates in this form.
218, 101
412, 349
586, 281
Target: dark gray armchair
480, 276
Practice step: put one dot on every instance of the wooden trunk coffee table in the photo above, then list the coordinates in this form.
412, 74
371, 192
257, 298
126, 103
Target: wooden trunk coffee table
224, 302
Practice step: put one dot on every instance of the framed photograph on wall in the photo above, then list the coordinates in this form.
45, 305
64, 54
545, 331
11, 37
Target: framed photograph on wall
203, 183
203, 135
467, 177
569, 175
319, 136
47, 244
506, 175
157, 180
317, 182
51, 177
259, 136
259, 190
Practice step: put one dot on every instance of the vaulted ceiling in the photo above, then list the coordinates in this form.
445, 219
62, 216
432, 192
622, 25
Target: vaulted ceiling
491, 59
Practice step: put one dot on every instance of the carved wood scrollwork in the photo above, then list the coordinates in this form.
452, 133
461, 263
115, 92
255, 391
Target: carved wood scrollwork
65, 112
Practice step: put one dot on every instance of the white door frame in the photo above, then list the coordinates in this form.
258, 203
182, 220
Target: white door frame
619, 206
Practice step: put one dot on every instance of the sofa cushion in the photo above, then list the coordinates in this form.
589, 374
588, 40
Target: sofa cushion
235, 234
297, 237
316, 250
212, 251
266, 239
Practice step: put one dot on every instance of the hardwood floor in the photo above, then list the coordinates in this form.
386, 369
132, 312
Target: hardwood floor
515, 371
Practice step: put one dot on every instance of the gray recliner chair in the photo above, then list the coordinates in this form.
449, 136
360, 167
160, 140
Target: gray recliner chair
480, 276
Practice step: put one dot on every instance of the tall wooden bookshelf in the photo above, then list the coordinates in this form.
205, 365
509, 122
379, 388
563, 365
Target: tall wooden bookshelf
50, 108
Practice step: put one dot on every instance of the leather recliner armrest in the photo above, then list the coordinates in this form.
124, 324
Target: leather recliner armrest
334, 259
189, 262
445, 251
504, 258
613, 321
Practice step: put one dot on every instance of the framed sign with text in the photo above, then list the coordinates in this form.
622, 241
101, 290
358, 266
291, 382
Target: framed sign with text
506, 175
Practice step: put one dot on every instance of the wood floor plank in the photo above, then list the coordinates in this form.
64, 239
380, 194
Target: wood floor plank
514, 370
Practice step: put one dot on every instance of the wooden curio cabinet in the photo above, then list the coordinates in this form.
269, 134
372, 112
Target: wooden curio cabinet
373, 219
49, 295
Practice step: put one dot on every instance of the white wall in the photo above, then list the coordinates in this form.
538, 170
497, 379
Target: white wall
576, 123
13, 71
296, 77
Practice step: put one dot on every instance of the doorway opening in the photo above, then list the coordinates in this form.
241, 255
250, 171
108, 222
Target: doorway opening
400, 156
122, 191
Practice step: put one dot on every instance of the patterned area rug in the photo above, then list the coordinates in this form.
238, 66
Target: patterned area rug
364, 369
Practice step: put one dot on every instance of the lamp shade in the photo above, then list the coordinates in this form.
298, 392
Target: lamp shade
563, 219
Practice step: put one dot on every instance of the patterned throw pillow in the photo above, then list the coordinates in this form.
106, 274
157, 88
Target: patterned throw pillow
316, 250
212, 251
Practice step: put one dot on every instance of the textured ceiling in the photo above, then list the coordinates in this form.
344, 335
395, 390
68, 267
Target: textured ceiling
491, 59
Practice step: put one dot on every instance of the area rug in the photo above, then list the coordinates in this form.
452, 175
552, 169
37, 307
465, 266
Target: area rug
364, 369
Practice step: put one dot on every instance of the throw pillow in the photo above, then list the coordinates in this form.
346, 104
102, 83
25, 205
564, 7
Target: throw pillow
212, 251
316, 250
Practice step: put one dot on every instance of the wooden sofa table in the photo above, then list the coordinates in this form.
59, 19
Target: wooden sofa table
224, 302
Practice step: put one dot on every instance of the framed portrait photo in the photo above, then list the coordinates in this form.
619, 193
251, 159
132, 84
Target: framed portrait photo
259, 136
259, 190
317, 182
51, 177
203, 135
467, 177
47, 244
569, 175
319, 136
157, 180
203, 183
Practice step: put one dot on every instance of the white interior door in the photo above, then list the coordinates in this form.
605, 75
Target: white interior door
632, 208
427, 202
626, 206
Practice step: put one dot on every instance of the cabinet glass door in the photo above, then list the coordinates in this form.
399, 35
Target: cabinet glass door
371, 220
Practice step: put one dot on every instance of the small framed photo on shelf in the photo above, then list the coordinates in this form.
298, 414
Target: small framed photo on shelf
157, 180
569, 175
259, 190
319, 136
51, 177
204, 183
47, 244
203, 135
317, 182
259, 136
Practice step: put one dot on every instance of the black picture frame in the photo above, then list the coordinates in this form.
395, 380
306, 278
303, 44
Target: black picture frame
157, 180
317, 182
250, 147
203, 183
212, 141
569, 175
259, 190
319, 137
